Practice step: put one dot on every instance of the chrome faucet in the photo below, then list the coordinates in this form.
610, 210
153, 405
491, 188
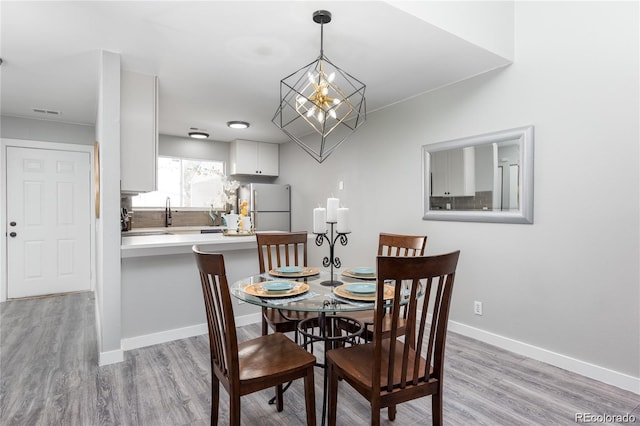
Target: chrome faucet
167, 212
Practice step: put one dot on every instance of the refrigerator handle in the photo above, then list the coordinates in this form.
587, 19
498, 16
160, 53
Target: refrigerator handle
254, 200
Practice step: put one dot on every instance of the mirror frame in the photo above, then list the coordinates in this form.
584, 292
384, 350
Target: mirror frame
524, 214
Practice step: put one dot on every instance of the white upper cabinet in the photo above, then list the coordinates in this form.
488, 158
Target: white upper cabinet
453, 173
138, 132
254, 158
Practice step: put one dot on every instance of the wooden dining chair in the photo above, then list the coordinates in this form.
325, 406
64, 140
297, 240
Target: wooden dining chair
391, 245
390, 370
276, 250
249, 366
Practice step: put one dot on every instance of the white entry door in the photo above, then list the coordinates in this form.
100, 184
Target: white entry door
48, 221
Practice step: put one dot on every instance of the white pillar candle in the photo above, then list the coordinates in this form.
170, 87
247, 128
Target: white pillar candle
319, 220
332, 209
343, 220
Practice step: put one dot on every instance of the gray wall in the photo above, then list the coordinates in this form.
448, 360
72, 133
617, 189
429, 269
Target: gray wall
48, 131
203, 149
567, 284
176, 146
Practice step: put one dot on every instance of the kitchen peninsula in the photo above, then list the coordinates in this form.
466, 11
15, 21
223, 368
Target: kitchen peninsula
161, 293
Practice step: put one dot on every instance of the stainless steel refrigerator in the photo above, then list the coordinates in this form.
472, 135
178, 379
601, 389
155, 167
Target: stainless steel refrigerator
269, 205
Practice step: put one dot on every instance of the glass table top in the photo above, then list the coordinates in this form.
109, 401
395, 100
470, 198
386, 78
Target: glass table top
306, 294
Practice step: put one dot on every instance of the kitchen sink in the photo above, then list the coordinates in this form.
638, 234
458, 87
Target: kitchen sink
170, 231
143, 233
211, 231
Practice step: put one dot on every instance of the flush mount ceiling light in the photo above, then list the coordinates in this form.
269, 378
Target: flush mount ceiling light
198, 135
237, 124
320, 104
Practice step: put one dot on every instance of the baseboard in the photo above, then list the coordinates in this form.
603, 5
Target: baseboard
111, 357
180, 333
605, 375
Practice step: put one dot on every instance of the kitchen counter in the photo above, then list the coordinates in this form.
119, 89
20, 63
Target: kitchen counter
180, 243
161, 292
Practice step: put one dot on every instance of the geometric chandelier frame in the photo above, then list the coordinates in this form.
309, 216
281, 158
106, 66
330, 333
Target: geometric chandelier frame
320, 104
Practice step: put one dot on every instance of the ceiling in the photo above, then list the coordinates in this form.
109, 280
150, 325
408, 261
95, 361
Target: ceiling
218, 60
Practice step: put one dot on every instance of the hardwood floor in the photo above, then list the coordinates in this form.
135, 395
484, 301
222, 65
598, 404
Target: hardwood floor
49, 376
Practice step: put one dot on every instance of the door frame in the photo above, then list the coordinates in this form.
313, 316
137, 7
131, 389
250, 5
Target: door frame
20, 143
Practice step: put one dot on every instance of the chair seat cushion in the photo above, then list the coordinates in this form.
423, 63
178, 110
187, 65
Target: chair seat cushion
271, 354
355, 363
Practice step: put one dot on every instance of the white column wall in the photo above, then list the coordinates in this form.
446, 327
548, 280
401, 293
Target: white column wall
108, 303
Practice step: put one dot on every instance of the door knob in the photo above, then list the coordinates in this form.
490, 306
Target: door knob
12, 234
12, 224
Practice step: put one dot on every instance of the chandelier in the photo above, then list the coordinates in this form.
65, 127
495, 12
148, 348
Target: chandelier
320, 104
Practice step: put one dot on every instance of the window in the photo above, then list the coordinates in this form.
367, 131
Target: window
189, 183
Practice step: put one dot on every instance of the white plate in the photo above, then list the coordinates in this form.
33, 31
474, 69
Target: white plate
361, 288
277, 286
289, 269
362, 271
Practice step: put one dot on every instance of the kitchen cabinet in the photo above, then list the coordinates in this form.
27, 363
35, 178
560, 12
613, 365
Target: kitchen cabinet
453, 173
138, 132
254, 158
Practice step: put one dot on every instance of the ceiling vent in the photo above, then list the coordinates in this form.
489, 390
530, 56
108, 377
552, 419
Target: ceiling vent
46, 111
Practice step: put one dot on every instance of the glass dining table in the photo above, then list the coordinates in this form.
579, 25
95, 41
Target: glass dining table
306, 290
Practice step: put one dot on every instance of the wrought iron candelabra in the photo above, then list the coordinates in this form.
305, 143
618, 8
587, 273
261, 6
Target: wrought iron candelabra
331, 260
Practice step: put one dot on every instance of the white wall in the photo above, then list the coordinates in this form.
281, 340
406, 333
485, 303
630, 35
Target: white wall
568, 285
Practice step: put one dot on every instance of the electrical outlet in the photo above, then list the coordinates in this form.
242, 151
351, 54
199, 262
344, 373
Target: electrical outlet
477, 308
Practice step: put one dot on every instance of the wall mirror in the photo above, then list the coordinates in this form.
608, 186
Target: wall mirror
483, 178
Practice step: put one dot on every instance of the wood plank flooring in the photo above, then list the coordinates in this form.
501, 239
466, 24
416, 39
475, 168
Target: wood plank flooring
49, 376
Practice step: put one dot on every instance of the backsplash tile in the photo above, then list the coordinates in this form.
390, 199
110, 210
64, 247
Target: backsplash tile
155, 218
482, 200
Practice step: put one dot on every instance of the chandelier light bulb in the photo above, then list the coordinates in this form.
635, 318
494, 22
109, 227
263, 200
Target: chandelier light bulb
332, 77
320, 116
311, 111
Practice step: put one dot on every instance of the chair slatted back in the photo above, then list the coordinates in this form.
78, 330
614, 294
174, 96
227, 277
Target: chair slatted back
281, 249
420, 356
223, 342
401, 245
